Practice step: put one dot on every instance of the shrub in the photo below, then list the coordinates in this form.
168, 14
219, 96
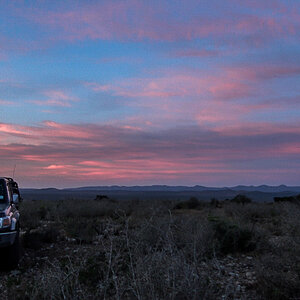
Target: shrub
42, 211
35, 238
216, 203
293, 199
83, 230
241, 199
93, 270
231, 238
192, 203
279, 276
144, 250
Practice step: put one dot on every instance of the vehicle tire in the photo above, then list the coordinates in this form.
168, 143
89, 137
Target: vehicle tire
13, 252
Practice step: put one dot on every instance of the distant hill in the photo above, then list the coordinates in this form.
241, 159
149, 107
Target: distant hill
160, 188
198, 188
262, 193
267, 188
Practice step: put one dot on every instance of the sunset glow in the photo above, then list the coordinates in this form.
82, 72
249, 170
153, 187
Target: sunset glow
150, 92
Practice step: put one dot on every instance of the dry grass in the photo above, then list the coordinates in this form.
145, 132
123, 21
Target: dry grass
147, 250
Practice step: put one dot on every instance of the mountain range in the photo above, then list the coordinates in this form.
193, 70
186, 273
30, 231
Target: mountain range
261, 193
198, 188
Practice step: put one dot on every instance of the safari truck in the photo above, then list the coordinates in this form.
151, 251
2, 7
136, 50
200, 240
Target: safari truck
9, 222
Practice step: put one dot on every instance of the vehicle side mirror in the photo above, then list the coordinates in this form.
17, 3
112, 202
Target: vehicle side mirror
16, 199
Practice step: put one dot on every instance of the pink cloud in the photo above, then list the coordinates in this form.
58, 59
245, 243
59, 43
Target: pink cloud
264, 71
115, 154
225, 96
234, 82
98, 87
289, 10
3, 56
137, 20
56, 94
6, 102
293, 148
11, 44
49, 130
255, 129
31, 157
14, 130
51, 102
220, 115
230, 89
56, 167
55, 98
177, 85
196, 53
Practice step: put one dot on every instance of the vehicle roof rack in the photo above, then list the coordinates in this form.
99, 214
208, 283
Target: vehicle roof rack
12, 182
8, 178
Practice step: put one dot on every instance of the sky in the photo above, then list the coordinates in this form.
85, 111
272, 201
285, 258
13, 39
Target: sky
150, 92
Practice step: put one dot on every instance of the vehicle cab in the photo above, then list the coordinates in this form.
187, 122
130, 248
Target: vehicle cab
9, 217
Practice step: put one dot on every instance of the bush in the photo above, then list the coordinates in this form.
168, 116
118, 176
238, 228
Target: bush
92, 272
279, 276
292, 199
241, 199
231, 238
83, 230
144, 250
42, 211
192, 203
35, 238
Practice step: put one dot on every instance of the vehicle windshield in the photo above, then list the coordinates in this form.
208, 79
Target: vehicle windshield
2, 193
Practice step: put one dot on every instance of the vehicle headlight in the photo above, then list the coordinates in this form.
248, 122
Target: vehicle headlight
4, 222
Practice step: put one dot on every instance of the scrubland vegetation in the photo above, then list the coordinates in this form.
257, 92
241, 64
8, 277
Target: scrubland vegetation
109, 249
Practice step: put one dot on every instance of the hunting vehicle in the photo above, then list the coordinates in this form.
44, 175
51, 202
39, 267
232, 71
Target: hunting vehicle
9, 222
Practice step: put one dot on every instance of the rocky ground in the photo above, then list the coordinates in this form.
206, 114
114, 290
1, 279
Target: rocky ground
234, 276
154, 252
